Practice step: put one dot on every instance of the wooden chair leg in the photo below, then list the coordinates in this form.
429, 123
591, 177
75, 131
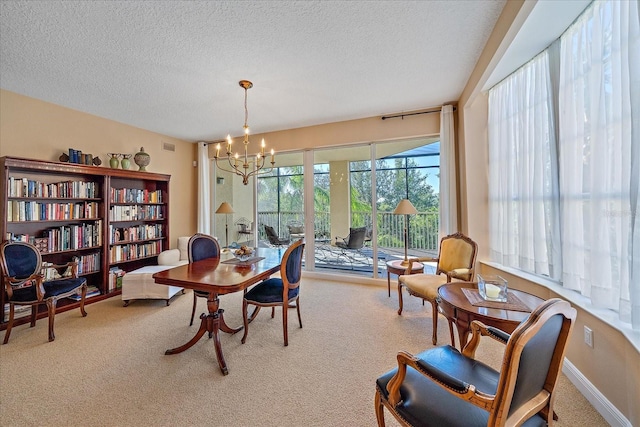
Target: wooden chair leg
82, 298
298, 308
379, 410
285, 312
399, 298
434, 310
34, 313
51, 310
245, 320
273, 312
9, 325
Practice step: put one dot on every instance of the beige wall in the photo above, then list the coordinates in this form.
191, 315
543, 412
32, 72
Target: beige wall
613, 364
39, 130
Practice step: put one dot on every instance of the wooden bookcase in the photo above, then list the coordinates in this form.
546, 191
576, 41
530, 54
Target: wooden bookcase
105, 218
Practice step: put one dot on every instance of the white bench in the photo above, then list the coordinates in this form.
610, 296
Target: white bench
139, 284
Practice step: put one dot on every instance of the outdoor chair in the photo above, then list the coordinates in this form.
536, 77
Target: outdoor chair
444, 387
456, 260
25, 284
274, 240
277, 291
201, 246
351, 246
244, 228
296, 230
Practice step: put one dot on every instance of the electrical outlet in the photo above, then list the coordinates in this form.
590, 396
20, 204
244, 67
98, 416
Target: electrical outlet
588, 336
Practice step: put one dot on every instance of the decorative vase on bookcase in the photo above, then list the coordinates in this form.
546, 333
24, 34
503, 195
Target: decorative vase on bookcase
125, 162
114, 161
142, 159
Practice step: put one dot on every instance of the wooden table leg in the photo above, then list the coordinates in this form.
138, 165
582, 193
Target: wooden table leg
388, 283
211, 323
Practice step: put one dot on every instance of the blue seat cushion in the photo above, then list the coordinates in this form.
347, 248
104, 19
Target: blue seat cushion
424, 403
52, 288
269, 291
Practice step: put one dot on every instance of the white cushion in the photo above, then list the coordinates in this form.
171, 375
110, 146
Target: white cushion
169, 257
183, 247
139, 284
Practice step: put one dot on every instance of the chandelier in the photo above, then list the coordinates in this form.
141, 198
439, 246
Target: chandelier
245, 165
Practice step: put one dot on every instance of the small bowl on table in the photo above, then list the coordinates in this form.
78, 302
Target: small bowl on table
243, 257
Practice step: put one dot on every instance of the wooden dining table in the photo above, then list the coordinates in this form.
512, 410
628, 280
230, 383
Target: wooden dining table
216, 276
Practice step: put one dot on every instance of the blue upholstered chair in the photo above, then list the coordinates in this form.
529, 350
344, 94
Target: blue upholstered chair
25, 284
277, 292
443, 387
201, 246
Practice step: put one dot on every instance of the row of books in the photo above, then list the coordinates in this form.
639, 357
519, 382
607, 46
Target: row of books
24, 187
92, 291
134, 251
89, 263
134, 233
115, 279
134, 195
77, 156
18, 312
135, 212
22, 210
63, 238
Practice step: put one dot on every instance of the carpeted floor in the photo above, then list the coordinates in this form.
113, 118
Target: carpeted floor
109, 369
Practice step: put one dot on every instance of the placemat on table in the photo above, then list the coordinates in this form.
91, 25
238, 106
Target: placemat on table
513, 302
249, 261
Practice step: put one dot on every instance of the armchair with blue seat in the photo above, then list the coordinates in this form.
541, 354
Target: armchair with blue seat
445, 387
25, 283
201, 246
277, 291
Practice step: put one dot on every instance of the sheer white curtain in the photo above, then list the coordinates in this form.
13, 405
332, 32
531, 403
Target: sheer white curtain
204, 189
599, 156
448, 173
523, 201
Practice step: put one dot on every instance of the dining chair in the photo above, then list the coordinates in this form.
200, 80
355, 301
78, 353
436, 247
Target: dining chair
277, 291
201, 246
444, 387
456, 260
25, 284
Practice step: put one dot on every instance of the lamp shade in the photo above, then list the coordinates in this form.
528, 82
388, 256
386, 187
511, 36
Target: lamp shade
405, 208
225, 208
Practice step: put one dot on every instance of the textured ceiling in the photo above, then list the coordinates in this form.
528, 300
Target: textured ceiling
173, 66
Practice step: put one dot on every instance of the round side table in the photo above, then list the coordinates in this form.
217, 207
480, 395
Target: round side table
396, 267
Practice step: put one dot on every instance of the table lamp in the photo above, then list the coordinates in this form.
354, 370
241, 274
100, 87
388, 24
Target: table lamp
225, 208
405, 208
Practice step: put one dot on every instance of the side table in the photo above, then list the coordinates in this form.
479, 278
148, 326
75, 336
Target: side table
396, 267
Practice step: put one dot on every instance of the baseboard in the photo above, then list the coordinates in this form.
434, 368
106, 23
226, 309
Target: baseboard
609, 412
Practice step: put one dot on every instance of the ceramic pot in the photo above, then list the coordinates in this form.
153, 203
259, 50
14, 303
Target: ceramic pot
113, 161
142, 159
125, 163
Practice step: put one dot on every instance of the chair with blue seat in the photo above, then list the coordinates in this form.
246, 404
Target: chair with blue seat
201, 246
445, 387
277, 292
25, 284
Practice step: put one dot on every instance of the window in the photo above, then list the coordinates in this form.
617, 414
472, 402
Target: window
569, 209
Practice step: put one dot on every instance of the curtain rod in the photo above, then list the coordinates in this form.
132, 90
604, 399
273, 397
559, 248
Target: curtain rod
393, 116
403, 115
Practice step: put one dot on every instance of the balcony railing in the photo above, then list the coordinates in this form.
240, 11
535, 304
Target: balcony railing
422, 229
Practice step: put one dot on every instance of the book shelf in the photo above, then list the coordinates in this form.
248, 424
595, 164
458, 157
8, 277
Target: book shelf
106, 219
